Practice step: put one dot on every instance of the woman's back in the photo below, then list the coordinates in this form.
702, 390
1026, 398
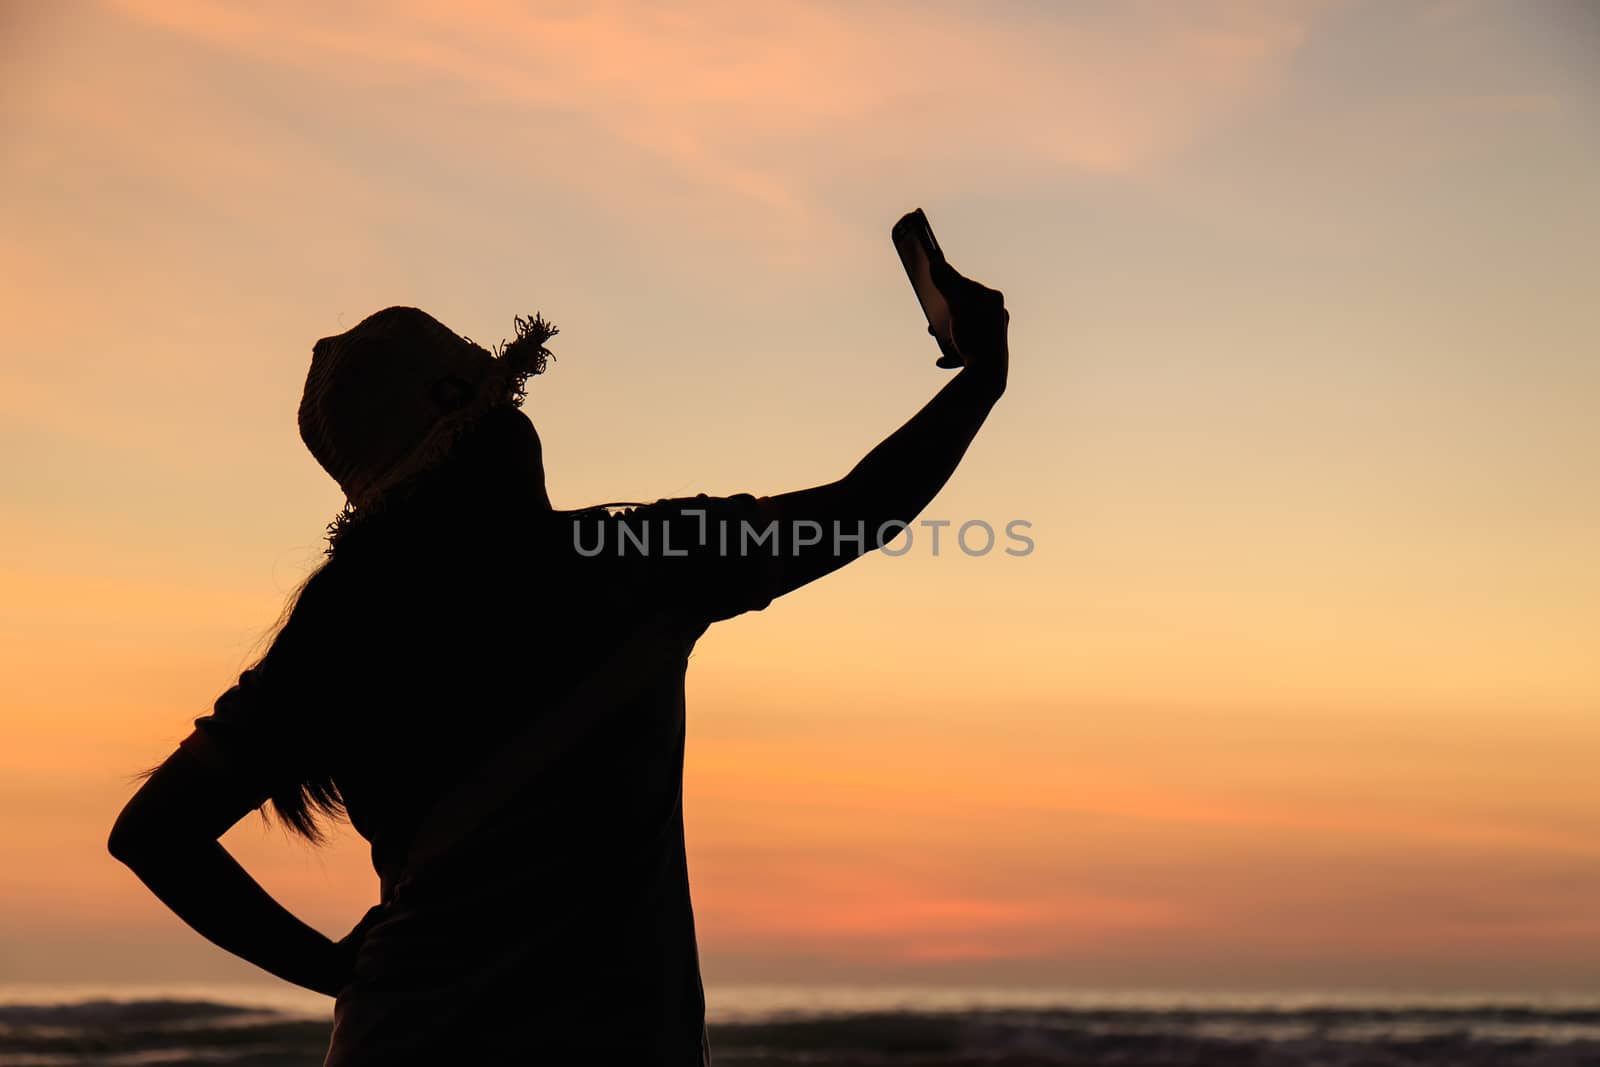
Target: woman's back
567, 910
419, 650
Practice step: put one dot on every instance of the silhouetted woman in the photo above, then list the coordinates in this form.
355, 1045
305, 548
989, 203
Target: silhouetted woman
456, 612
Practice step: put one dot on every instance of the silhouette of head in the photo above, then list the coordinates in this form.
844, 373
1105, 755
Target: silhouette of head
392, 398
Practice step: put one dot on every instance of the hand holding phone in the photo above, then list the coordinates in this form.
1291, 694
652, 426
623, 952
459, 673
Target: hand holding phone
967, 319
921, 255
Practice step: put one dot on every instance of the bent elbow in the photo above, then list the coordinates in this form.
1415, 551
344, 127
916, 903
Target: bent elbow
123, 842
181, 806
131, 840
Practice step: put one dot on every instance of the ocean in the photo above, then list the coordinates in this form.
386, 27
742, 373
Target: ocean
833, 1027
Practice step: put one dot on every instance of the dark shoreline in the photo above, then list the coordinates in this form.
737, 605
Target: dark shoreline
159, 1032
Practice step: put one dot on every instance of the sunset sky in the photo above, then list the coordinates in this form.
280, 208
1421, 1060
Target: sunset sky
1300, 687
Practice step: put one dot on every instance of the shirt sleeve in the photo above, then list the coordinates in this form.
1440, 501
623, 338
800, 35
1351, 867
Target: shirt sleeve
704, 557
268, 727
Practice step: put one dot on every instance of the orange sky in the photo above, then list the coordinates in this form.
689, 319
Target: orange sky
1298, 688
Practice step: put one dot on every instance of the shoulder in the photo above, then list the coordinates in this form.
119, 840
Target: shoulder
330, 615
321, 595
701, 506
701, 557
701, 521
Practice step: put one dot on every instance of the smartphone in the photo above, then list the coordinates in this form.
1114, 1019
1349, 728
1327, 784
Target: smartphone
920, 252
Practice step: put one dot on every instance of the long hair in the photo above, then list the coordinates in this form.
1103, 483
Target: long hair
479, 502
299, 805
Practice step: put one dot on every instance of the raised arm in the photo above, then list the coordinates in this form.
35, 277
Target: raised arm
899, 477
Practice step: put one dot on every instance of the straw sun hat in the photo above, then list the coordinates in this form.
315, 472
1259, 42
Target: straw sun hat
387, 399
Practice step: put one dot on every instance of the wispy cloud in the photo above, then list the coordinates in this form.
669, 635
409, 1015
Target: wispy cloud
762, 105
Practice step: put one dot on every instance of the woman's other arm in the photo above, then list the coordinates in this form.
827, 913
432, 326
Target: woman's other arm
168, 835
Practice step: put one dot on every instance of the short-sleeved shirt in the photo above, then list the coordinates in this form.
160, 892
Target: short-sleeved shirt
565, 929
